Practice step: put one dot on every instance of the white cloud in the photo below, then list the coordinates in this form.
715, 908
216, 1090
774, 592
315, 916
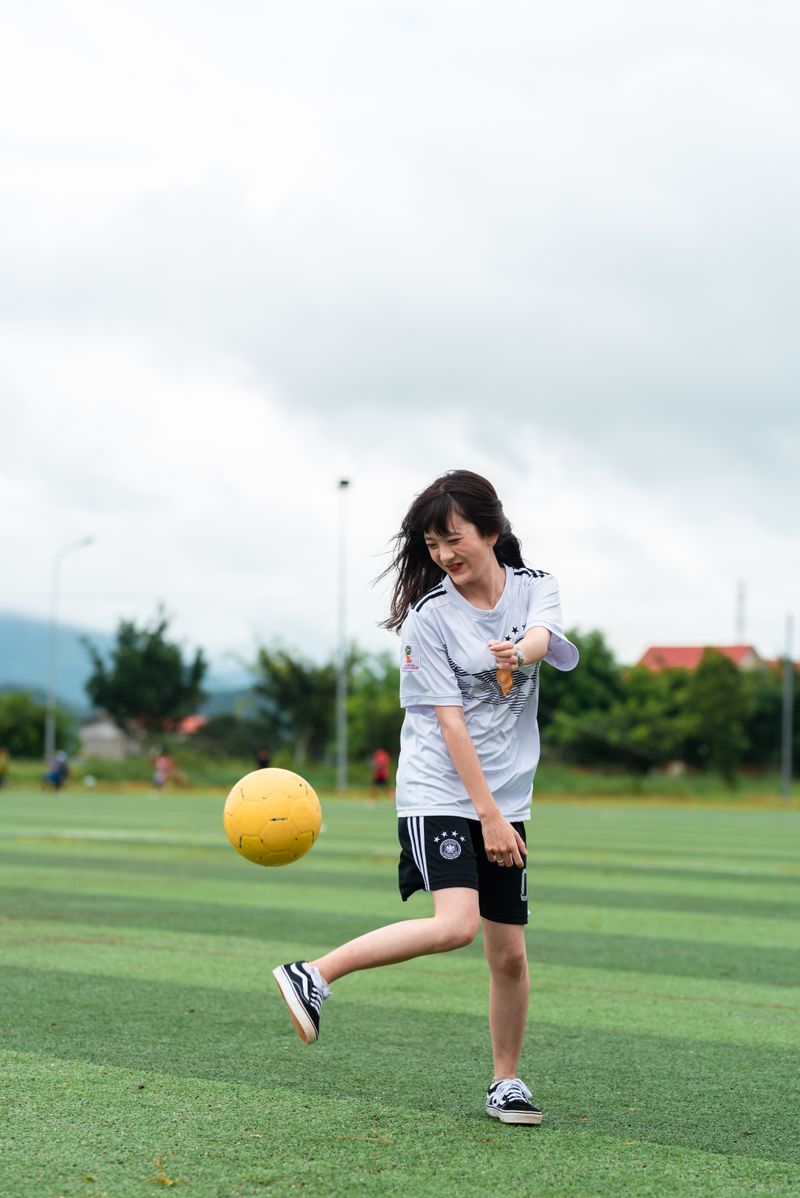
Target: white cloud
248, 249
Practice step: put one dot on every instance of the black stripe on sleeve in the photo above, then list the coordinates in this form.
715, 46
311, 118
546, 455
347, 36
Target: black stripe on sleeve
434, 594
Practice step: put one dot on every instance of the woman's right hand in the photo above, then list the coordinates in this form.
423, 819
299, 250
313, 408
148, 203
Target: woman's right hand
502, 842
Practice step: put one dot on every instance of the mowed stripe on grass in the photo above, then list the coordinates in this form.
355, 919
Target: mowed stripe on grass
662, 1043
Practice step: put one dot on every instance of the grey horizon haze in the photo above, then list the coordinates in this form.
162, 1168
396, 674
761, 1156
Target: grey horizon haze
248, 250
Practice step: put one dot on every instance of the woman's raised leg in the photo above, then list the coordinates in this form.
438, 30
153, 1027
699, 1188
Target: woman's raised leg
454, 923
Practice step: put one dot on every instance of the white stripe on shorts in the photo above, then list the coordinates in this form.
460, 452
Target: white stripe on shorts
416, 833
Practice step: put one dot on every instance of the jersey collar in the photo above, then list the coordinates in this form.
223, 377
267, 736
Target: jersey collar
479, 612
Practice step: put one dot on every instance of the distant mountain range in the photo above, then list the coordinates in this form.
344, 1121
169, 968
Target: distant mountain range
23, 665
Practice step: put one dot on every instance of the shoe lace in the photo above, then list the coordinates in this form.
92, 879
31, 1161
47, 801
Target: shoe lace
319, 984
510, 1089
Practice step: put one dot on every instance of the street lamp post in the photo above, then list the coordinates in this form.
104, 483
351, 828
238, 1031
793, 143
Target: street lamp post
52, 648
342, 655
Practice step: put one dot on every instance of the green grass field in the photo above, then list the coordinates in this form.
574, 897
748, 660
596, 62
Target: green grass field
145, 1046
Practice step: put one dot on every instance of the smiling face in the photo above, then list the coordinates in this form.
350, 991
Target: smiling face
464, 554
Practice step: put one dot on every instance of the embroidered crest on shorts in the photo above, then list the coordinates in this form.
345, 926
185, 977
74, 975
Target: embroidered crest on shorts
450, 848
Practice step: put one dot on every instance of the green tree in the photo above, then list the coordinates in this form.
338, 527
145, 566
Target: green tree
594, 686
718, 700
298, 702
146, 685
22, 725
373, 707
764, 690
232, 735
646, 726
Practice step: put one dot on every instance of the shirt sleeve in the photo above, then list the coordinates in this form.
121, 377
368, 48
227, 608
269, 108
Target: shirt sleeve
426, 677
545, 612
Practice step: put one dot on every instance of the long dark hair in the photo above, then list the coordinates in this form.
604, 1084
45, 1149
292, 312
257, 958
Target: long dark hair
469, 495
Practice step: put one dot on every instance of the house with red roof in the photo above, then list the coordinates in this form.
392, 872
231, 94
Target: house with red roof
192, 723
688, 657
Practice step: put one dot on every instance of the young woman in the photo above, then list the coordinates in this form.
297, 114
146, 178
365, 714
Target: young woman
475, 624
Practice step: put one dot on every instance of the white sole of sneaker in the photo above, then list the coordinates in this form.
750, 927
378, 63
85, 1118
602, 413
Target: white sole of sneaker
515, 1116
302, 1024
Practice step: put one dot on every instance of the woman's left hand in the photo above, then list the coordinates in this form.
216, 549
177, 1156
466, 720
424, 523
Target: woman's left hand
502, 841
505, 654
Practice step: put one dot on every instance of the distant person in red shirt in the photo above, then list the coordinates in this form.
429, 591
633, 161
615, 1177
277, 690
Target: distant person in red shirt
381, 765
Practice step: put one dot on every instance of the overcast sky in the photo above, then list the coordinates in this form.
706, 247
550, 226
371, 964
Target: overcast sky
247, 249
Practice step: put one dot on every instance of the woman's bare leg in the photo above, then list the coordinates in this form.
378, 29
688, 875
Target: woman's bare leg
504, 945
453, 924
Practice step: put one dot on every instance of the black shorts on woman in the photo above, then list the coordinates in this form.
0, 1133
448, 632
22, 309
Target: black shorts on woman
440, 852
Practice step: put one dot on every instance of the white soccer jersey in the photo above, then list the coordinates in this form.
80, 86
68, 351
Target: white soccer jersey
445, 662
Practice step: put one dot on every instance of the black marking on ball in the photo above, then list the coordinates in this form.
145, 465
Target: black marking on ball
277, 819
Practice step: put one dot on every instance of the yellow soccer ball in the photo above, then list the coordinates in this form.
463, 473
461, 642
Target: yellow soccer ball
272, 817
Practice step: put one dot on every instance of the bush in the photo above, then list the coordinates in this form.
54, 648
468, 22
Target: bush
22, 722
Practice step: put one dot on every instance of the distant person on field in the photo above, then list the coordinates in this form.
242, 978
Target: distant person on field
263, 758
381, 765
4, 763
57, 771
163, 766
